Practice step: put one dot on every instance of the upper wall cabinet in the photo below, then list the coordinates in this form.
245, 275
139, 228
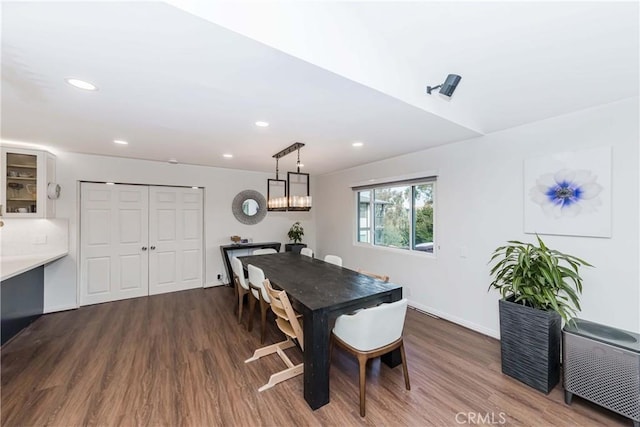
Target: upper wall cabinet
25, 176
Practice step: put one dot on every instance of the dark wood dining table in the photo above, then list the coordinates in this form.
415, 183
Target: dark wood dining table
321, 292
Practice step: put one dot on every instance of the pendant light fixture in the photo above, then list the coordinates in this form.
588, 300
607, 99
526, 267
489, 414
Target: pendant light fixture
276, 193
292, 194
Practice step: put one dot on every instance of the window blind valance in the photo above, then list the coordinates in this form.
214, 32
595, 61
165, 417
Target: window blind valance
393, 182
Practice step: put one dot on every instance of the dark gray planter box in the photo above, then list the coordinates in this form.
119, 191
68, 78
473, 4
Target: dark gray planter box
294, 247
530, 345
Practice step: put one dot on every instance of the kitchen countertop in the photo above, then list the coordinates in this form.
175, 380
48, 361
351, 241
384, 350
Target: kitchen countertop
11, 266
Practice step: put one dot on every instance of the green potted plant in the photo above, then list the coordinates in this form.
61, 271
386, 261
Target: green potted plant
295, 235
540, 287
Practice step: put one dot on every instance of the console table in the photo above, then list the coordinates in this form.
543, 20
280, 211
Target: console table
226, 250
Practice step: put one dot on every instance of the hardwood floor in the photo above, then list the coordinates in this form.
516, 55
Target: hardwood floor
178, 359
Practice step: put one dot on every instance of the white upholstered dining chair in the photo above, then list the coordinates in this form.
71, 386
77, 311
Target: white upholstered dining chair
333, 259
240, 284
264, 251
371, 333
306, 252
289, 322
258, 294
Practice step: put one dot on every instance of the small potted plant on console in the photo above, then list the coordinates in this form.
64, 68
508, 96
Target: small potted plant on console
295, 235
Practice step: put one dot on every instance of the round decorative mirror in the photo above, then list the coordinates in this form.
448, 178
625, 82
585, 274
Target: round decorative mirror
249, 207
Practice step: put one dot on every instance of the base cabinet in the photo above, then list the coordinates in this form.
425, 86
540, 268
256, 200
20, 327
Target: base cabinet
22, 301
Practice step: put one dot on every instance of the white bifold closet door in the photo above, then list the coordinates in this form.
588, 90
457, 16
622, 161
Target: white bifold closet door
175, 235
138, 240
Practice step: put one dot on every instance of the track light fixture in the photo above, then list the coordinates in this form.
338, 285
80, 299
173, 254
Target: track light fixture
448, 87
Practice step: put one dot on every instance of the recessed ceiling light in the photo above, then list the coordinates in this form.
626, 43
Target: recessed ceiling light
194, 188
173, 161
120, 141
227, 156
81, 84
110, 183
262, 124
357, 144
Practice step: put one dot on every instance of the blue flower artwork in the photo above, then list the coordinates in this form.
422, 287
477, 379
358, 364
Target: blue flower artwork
569, 193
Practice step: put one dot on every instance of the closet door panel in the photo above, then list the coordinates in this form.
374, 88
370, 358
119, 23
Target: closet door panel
113, 242
175, 238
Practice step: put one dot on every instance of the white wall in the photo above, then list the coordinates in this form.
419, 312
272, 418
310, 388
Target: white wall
25, 236
480, 206
221, 186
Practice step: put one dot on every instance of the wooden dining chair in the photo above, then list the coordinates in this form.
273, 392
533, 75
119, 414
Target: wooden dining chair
384, 278
306, 252
259, 295
371, 333
289, 322
240, 284
333, 259
264, 251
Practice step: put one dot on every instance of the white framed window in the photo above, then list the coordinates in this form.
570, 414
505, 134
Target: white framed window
398, 214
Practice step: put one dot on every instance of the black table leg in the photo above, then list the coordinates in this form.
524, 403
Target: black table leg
316, 358
393, 358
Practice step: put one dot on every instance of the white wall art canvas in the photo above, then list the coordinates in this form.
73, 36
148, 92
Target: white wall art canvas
569, 193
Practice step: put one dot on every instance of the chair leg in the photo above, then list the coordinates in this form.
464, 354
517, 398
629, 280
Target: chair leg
240, 304
331, 340
252, 304
281, 376
263, 318
270, 349
235, 294
291, 370
404, 367
362, 362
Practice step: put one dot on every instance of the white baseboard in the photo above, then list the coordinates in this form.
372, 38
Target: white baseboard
59, 308
457, 320
213, 285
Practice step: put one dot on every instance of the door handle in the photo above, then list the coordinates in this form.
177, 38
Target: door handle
144, 248
153, 248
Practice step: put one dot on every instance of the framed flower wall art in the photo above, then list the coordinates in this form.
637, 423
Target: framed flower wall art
569, 193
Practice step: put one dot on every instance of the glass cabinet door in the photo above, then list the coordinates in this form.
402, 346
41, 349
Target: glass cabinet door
22, 183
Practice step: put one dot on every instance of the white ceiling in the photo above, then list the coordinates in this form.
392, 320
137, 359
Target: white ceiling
329, 73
